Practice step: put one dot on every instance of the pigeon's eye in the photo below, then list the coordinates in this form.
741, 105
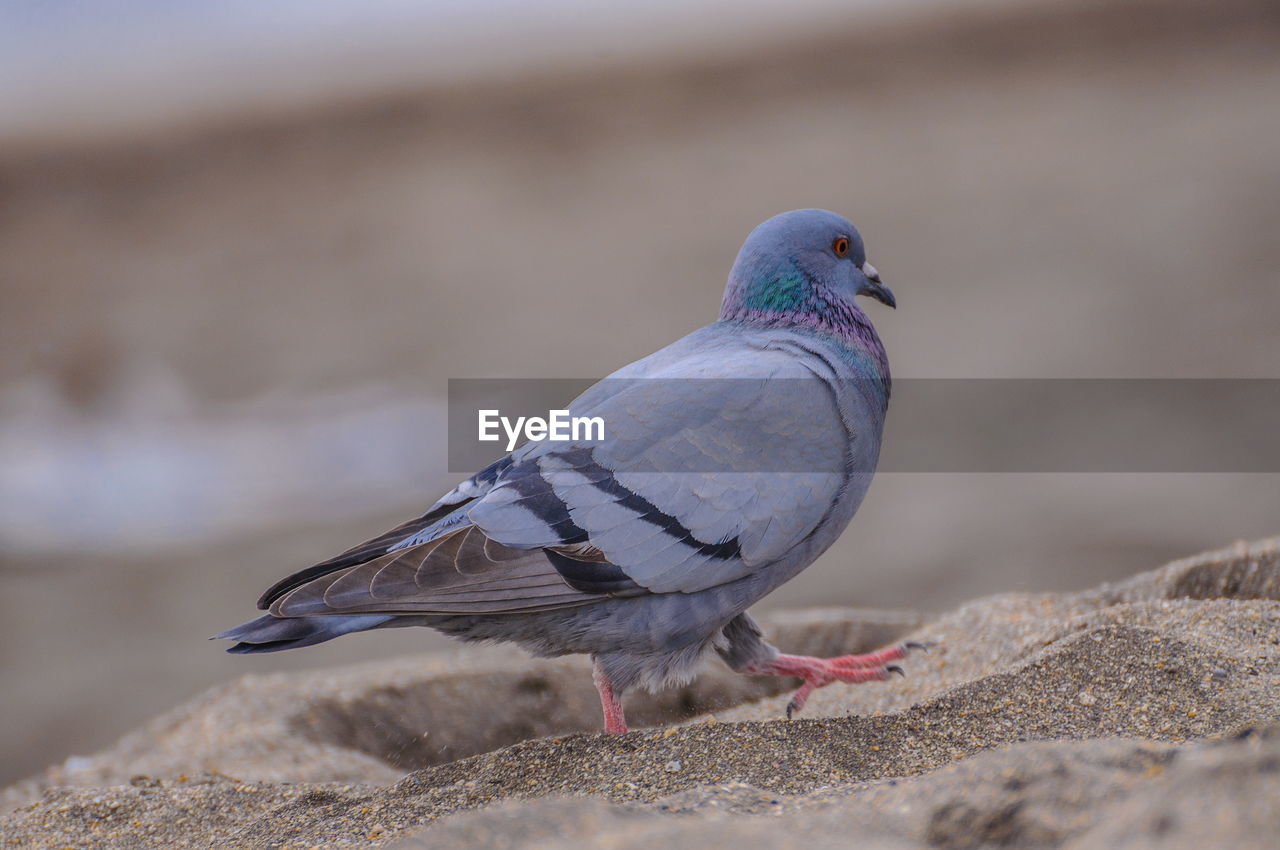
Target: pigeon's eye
841, 246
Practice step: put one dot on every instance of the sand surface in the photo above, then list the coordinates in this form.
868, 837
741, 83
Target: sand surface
1135, 714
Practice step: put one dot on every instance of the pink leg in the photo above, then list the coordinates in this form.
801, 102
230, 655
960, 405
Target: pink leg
816, 672
614, 721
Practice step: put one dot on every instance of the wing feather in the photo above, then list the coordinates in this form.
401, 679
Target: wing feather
674, 499
455, 574
707, 473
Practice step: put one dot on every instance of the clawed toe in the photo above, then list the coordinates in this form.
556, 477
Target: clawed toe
850, 669
798, 700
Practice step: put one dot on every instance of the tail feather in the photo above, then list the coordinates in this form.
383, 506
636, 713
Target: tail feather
272, 634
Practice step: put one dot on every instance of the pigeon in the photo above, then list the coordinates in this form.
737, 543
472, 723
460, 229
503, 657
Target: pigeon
730, 460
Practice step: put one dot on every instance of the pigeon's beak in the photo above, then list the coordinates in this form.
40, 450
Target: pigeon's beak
876, 289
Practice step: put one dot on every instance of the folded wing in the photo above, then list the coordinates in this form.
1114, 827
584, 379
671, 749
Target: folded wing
708, 472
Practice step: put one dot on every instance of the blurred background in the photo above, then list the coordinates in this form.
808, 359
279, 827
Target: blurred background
243, 246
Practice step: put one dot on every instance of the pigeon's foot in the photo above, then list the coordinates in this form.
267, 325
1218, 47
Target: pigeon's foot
614, 721
851, 669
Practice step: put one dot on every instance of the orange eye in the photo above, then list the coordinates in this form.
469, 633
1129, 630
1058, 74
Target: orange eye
841, 246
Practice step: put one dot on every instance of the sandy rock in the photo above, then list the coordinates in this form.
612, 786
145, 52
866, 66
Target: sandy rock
1221, 794
1133, 714
1095, 794
373, 723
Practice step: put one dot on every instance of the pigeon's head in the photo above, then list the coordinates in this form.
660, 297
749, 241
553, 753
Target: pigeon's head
802, 261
